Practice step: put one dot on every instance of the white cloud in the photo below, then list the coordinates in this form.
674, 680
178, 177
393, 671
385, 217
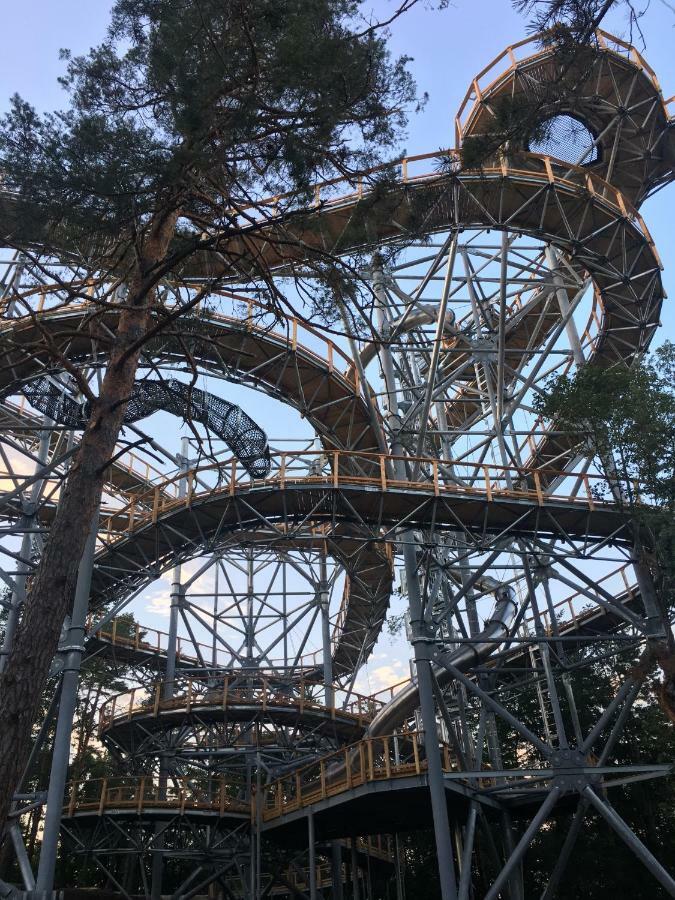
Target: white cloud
377, 678
158, 600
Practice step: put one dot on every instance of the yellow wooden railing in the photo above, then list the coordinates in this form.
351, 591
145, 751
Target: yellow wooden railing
218, 794
134, 636
373, 759
297, 334
492, 74
341, 469
266, 693
568, 607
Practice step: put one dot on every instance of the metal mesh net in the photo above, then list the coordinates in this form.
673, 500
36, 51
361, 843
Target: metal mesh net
568, 139
246, 440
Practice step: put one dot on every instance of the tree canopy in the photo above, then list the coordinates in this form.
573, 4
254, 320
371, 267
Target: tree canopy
627, 414
203, 108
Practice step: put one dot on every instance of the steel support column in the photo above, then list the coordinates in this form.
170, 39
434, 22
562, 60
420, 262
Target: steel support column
64, 726
311, 843
421, 645
28, 521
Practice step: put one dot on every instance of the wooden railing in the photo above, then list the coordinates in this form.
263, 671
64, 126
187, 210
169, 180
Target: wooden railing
378, 846
132, 463
265, 693
341, 468
373, 759
297, 333
548, 169
345, 191
134, 636
567, 609
494, 73
216, 794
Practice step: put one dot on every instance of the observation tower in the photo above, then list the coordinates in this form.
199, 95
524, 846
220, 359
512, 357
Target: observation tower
244, 757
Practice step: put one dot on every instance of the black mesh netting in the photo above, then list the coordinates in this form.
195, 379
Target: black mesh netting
245, 439
567, 139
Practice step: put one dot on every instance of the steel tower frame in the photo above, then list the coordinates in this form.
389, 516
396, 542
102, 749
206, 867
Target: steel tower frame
252, 765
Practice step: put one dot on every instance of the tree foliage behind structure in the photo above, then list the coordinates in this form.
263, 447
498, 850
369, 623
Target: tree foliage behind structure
627, 417
601, 865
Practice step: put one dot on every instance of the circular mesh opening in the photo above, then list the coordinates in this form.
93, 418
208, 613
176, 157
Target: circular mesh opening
568, 139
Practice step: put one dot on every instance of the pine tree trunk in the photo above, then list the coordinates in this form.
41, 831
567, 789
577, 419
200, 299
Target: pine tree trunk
53, 585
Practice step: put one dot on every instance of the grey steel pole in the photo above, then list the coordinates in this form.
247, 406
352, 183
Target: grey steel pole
329, 699
565, 851
258, 822
216, 594
311, 841
64, 724
645, 581
336, 870
633, 841
423, 650
356, 893
19, 593
329, 693
400, 884
28, 521
469, 837
553, 263
250, 617
14, 285
168, 688
523, 844
176, 592
421, 641
22, 857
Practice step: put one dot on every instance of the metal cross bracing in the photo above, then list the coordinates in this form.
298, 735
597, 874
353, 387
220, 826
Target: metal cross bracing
247, 760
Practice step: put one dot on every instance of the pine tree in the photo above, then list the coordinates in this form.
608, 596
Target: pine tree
177, 125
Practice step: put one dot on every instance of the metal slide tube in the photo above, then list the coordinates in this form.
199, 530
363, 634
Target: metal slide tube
407, 700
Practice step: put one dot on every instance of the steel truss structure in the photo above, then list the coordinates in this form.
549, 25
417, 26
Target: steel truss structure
249, 764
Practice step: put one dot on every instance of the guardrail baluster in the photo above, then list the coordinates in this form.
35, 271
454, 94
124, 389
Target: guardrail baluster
101, 804
141, 795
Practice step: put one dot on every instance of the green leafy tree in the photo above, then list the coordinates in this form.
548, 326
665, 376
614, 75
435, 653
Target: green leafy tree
627, 418
601, 865
178, 124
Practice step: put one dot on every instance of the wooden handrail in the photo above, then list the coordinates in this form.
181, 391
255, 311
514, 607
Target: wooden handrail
344, 471
475, 91
365, 761
196, 691
139, 793
150, 640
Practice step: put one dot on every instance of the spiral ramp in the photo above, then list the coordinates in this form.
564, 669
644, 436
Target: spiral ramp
331, 755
